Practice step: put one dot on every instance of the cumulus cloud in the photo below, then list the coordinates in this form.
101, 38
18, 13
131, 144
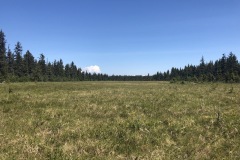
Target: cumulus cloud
92, 69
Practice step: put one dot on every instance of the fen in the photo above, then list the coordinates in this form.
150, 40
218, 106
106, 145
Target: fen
119, 120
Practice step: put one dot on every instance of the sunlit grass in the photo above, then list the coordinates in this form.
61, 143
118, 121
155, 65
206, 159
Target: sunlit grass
119, 120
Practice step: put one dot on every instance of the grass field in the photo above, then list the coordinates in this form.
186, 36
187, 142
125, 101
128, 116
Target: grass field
119, 120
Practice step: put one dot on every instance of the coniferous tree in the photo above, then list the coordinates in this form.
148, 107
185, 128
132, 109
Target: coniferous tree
60, 67
55, 69
232, 63
3, 64
18, 63
201, 70
29, 64
223, 63
43, 67
217, 70
67, 71
10, 62
50, 72
73, 71
27, 68
79, 74
225, 69
37, 75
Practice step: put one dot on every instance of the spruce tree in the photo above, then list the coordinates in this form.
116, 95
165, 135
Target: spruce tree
29, 65
42, 64
60, 67
37, 75
67, 71
10, 62
73, 71
223, 63
18, 64
3, 64
202, 76
232, 63
50, 72
79, 74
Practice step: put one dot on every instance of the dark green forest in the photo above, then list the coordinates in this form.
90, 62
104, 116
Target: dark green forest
18, 67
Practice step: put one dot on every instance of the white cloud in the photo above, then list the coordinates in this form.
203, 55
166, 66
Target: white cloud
92, 69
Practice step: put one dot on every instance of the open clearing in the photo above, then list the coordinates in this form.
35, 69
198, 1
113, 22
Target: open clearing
119, 120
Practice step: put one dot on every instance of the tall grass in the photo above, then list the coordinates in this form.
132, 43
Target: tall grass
119, 120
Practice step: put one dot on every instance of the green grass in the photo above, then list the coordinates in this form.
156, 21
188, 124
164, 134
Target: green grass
119, 120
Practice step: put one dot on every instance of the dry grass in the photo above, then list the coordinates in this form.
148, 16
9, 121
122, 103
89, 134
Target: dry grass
119, 120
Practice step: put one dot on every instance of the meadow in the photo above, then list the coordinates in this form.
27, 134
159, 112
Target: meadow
119, 120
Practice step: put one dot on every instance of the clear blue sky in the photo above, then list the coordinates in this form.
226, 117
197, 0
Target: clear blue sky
129, 37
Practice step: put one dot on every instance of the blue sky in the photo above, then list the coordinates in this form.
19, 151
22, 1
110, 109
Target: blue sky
128, 37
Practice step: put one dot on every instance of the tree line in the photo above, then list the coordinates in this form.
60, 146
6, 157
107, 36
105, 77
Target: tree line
226, 69
18, 67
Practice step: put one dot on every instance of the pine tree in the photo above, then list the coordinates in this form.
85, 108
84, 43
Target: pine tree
60, 67
37, 75
202, 76
55, 68
58, 70
42, 65
217, 70
67, 71
50, 72
29, 65
79, 74
232, 63
3, 64
18, 64
73, 71
223, 63
10, 62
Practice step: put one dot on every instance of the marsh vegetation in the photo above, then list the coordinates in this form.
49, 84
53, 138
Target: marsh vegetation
119, 120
